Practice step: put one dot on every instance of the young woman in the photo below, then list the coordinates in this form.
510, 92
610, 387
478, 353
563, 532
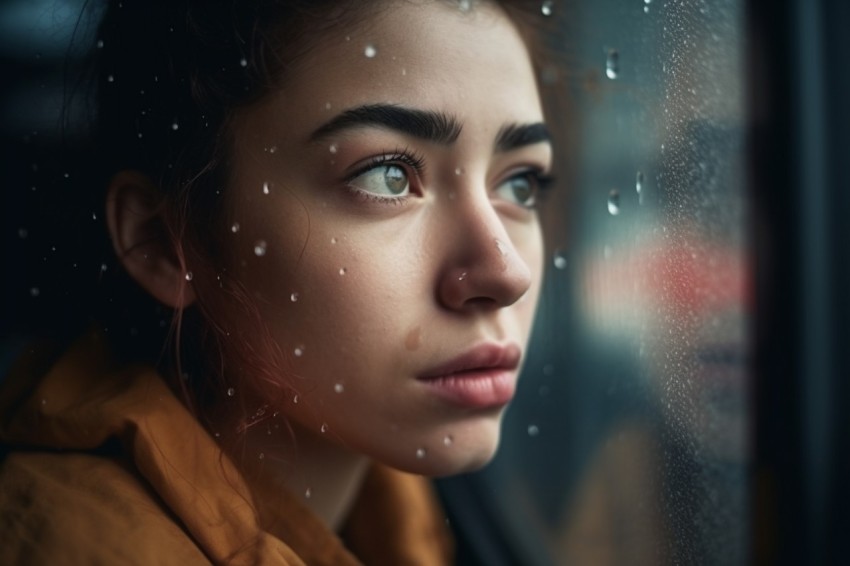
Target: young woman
337, 200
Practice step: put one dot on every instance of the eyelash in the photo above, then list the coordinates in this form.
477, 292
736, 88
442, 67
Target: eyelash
412, 161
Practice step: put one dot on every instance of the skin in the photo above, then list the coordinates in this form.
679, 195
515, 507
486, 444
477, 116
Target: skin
386, 289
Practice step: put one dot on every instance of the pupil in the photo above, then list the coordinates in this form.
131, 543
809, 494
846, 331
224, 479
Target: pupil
522, 190
395, 179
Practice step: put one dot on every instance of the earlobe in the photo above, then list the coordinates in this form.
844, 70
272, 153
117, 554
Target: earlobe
141, 239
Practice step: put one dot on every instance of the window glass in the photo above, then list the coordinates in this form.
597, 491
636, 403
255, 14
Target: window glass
629, 443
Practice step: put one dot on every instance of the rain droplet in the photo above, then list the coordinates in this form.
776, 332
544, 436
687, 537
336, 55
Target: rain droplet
342, 271
175, 126
333, 148
273, 149
260, 248
22, 233
462, 276
100, 44
308, 493
262, 456
235, 227
333, 240
295, 399
533, 430
94, 215
612, 64
103, 267
420, 453
458, 171
464, 5
546, 8
324, 428
110, 79
327, 105
299, 351
559, 260
243, 62
339, 388
293, 297
448, 440
34, 292
370, 51
189, 276
266, 188
231, 392
639, 182
614, 202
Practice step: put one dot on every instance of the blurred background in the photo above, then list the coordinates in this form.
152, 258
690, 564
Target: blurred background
685, 400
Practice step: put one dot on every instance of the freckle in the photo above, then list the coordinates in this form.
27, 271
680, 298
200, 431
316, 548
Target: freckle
414, 339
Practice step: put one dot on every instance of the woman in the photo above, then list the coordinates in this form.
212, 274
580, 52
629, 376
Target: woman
338, 203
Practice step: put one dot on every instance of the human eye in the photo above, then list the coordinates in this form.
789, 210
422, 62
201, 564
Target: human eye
386, 177
523, 188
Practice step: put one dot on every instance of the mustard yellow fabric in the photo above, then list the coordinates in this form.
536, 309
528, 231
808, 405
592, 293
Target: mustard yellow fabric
102, 464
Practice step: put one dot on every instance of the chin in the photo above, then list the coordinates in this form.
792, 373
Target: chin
465, 454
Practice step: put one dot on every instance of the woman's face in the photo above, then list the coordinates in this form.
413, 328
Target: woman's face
381, 211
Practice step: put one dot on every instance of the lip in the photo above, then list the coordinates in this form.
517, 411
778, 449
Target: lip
481, 378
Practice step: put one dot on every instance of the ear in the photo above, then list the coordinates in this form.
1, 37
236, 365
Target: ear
141, 239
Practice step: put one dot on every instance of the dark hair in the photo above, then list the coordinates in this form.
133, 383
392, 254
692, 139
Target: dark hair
170, 75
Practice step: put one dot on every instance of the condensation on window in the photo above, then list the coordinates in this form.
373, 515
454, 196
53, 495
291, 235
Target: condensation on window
634, 408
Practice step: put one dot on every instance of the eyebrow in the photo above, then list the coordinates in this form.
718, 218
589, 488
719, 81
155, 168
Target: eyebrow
513, 136
428, 125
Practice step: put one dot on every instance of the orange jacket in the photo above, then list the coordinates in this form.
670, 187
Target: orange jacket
102, 464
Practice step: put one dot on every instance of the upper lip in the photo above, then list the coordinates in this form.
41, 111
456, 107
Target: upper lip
481, 357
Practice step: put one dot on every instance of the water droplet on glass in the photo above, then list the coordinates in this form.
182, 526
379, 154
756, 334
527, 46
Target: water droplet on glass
266, 188
342, 271
260, 248
612, 64
333, 148
231, 392
448, 440
370, 51
420, 453
175, 126
34, 292
533, 430
546, 8
339, 388
646, 9
324, 428
293, 297
559, 260
308, 493
243, 62
22, 233
614, 202
189, 276
110, 79
299, 351
235, 227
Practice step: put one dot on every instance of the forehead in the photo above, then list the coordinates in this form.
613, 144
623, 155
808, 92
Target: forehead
472, 64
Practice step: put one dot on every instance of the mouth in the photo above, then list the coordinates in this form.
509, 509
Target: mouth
481, 378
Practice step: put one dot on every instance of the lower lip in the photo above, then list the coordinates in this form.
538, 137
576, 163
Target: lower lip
478, 389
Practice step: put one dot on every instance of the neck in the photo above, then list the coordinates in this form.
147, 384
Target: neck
323, 475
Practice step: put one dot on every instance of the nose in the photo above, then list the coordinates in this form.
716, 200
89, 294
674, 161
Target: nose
482, 268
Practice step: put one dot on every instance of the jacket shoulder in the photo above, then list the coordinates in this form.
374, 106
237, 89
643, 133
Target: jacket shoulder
74, 508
